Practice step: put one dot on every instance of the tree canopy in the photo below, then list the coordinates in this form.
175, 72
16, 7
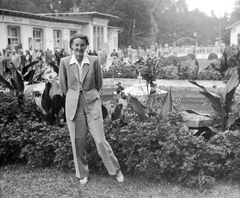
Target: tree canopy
144, 22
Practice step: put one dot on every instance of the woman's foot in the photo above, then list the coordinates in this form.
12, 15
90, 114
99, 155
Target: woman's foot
83, 181
119, 176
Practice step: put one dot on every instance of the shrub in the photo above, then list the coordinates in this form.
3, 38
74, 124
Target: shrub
212, 56
121, 71
210, 74
192, 56
159, 149
171, 60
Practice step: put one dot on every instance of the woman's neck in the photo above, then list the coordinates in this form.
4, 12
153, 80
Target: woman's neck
79, 58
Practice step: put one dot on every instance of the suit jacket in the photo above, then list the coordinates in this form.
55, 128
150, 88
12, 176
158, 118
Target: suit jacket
92, 79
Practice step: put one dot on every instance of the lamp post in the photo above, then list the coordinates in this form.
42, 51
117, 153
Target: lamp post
195, 35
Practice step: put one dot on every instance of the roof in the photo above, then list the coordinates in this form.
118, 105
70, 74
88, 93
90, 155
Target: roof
92, 14
39, 17
116, 28
234, 24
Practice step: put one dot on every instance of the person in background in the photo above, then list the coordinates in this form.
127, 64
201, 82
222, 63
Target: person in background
103, 57
22, 58
114, 54
94, 53
129, 53
90, 52
16, 60
34, 55
80, 80
28, 57
148, 52
7, 58
120, 54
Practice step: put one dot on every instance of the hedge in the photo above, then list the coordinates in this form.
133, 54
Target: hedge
159, 149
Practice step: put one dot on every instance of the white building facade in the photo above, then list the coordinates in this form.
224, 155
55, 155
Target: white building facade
50, 31
235, 33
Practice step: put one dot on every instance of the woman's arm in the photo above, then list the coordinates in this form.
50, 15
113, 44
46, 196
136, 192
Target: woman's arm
98, 75
63, 78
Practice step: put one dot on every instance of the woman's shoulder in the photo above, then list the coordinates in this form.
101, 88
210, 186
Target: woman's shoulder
93, 58
66, 58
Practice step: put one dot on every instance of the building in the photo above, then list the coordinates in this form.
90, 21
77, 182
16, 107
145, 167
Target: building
235, 33
53, 30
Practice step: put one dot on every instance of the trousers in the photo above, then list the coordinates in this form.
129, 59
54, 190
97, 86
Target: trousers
78, 128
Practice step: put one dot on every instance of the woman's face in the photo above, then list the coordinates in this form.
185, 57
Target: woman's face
79, 46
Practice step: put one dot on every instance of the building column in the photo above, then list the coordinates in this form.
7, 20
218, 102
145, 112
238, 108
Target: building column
90, 36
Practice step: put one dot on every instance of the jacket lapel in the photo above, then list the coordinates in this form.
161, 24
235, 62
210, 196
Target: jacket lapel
75, 70
85, 70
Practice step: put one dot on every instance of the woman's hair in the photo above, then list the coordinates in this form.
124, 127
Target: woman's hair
75, 36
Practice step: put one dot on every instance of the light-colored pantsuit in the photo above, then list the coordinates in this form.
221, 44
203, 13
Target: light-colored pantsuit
83, 113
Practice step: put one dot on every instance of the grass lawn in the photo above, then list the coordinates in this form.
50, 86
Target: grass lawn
19, 181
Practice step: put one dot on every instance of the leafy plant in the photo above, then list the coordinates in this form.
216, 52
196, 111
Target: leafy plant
225, 105
212, 56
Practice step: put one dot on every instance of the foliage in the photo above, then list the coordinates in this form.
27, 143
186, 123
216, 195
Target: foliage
157, 149
122, 71
192, 56
212, 56
171, 60
224, 104
210, 74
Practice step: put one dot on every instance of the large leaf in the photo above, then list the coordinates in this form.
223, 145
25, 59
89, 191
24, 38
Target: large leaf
6, 83
224, 62
25, 69
117, 112
230, 88
29, 89
166, 105
46, 100
232, 117
138, 107
194, 112
215, 102
17, 78
214, 99
55, 89
195, 83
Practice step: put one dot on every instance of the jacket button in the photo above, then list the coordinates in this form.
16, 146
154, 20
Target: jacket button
87, 99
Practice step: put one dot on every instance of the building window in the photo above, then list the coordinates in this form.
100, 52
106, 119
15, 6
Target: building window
13, 37
238, 39
37, 39
57, 37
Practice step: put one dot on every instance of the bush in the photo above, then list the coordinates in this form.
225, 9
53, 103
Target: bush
171, 60
121, 71
159, 149
192, 56
212, 56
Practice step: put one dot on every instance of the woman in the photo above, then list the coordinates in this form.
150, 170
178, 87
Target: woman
80, 79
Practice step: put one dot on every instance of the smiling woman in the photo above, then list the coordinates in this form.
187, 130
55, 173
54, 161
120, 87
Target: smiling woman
208, 5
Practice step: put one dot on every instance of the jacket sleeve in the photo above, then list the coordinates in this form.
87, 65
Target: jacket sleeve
98, 75
63, 78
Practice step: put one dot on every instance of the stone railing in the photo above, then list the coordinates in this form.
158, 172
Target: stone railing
202, 52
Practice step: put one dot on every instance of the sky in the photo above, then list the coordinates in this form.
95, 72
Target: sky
219, 6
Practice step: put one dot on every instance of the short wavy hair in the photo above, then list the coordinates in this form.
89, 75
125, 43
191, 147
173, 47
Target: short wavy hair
75, 36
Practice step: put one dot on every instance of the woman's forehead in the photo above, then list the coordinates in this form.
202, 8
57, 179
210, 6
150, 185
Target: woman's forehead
79, 41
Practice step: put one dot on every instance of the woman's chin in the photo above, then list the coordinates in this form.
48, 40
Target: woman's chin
78, 54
